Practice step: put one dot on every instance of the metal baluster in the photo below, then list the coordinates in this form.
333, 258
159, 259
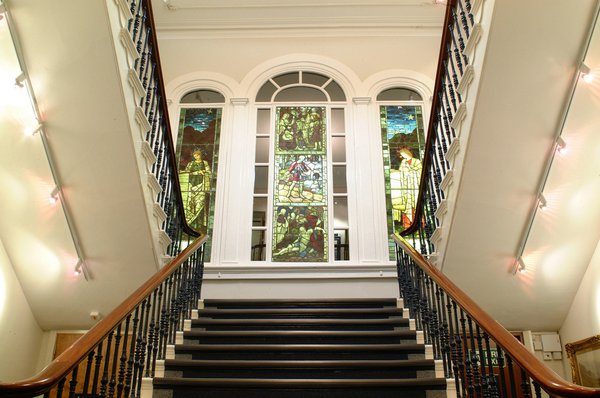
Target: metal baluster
104, 380
463, 18
142, 352
123, 359
482, 361
456, 348
97, 368
468, 6
466, 355
492, 385
474, 360
60, 388
157, 336
88, 371
501, 373
150, 345
525, 387
445, 334
73, 382
130, 378
460, 56
537, 389
112, 382
511, 377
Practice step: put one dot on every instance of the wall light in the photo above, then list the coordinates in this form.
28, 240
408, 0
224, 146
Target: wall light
53, 198
20, 79
543, 203
561, 146
586, 73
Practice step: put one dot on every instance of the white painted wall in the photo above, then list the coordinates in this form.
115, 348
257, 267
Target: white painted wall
20, 335
583, 319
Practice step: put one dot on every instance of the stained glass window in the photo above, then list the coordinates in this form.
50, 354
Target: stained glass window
300, 187
403, 139
197, 156
300, 170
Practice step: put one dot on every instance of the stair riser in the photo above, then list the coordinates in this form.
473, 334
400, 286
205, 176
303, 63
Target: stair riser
296, 340
307, 373
299, 355
349, 327
354, 392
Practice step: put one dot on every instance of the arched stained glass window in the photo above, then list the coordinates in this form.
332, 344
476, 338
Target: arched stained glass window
197, 151
403, 139
300, 191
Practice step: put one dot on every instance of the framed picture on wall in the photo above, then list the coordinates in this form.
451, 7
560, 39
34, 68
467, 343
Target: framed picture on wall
584, 356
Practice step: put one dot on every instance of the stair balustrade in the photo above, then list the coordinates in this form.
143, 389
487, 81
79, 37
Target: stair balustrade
481, 356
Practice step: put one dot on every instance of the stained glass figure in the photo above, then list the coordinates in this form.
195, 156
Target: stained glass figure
197, 157
300, 191
403, 140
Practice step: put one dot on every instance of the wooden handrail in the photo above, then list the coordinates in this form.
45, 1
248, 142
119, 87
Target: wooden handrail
547, 379
62, 365
165, 119
431, 133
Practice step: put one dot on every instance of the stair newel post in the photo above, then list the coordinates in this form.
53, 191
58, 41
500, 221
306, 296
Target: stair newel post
104, 380
113, 372
123, 358
97, 368
150, 345
88, 371
492, 385
511, 377
73, 382
473, 360
501, 373
525, 387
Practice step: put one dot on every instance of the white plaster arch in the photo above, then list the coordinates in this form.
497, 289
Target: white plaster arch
383, 80
183, 84
341, 73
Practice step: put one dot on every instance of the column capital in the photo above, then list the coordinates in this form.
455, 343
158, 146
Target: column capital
239, 101
361, 100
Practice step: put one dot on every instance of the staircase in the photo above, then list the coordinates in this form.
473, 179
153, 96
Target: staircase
308, 348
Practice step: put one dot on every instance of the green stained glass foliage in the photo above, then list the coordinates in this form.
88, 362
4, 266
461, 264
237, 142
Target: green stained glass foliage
300, 186
197, 159
403, 139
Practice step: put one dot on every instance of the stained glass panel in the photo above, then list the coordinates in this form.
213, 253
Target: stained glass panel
300, 190
403, 140
197, 157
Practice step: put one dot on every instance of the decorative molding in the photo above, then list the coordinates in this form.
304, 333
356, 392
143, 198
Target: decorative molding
147, 389
361, 100
436, 236
127, 42
148, 154
170, 351
159, 213
135, 82
441, 210
164, 240
451, 388
179, 337
239, 101
452, 151
420, 337
433, 258
153, 185
124, 8
465, 81
439, 368
142, 120
159, 368
472, 41
428, 351
447, 182
459, 116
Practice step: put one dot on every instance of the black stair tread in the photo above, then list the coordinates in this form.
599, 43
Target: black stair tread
209, 321
315, 383
417, 363
310, 333
278, 311
263, 347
